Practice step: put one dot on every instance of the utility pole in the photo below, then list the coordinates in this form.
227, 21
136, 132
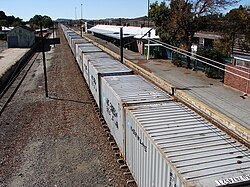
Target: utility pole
44, 62
53, 29
75, 17
148, 45
121, 44
81, 21
148, 12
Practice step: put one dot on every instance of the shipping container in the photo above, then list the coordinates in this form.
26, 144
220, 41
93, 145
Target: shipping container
167, 144
94, 56
70, 34
71, 39
79, 53
84, 66
77, 41
120, 91
101, 67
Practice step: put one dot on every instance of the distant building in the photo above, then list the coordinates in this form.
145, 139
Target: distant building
21, 37
240, 72
134, 37
205, 40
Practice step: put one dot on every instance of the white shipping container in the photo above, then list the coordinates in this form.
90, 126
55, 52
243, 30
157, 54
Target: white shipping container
79, 53
120, 91
70, 34
94, 56
71, 39
85, 66
101, 67
169, 145
77, 41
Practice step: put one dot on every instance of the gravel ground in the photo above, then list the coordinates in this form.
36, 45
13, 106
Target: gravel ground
56, 141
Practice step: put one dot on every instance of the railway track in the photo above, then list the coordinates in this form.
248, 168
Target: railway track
15, 81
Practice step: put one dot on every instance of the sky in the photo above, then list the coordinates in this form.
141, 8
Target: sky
71, 9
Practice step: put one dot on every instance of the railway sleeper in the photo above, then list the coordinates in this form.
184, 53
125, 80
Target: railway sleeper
115, 148
120, 161
130, 182
124, 166
127, 173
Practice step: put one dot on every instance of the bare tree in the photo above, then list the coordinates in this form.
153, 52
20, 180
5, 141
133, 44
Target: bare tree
184, 17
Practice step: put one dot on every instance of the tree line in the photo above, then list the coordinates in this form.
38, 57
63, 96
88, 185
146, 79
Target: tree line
11, 21
177, 21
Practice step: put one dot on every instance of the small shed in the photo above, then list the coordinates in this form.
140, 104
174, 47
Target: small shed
21, 37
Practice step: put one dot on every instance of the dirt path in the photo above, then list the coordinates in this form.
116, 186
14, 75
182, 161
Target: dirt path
56, 141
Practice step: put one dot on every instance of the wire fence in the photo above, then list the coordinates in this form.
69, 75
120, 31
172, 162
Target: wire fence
175, 53
212, 68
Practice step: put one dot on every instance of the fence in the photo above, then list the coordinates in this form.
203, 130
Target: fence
181, 60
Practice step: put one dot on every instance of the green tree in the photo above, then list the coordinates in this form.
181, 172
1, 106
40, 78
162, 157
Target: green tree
17, 22
38, 19
9, 20
47, 21
183, 18
2, 15
212, 22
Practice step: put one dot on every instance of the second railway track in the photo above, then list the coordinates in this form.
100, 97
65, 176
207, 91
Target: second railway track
15, 82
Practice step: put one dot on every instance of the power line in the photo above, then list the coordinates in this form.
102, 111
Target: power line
193, 54
186, 53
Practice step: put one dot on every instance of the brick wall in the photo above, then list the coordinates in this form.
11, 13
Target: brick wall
235, 81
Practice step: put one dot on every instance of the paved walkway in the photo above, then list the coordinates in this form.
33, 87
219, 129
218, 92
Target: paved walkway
211, 92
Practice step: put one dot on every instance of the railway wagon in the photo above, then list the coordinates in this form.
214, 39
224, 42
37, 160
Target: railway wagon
116, 92
168, 144
70, 34
79, 54
100, 67
86, 57
75, 41
71, 38
82, 50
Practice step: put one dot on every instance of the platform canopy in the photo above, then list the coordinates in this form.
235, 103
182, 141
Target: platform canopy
128, 31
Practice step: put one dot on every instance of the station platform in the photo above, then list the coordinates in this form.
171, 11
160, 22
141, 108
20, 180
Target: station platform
9, 57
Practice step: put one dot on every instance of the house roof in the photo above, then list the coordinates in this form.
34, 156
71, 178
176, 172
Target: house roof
245, 58
114, 31
5, 29
27, 28
208, 35
23, 27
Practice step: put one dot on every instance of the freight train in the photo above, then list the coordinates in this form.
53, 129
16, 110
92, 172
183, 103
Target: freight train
164, 143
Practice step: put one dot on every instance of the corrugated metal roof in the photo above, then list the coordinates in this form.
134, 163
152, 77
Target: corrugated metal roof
200, 152
96, 55
242, 57
88, 48
133, 89
108, 65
